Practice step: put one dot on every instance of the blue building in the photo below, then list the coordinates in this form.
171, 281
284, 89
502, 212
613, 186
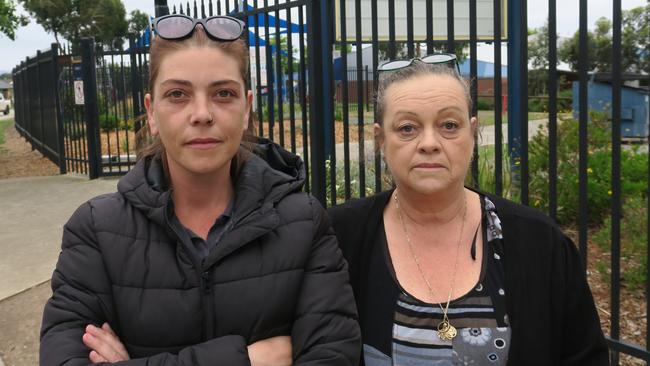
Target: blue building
634, 105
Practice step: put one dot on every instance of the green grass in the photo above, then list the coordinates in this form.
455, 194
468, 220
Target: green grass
3, 127
486, 118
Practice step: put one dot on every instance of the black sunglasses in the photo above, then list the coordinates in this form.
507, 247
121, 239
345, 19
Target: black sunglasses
434, 58
178, 26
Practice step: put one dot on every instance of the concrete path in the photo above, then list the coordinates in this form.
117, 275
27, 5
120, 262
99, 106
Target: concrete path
32, 214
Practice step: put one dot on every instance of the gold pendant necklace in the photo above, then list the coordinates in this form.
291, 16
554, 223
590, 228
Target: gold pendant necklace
446, 331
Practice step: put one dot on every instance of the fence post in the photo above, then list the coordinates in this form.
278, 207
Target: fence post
59, 111
39, 56
91, 108
320, 96
135, 81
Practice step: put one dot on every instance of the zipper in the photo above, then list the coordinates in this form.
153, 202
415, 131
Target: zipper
205, 289
208, 305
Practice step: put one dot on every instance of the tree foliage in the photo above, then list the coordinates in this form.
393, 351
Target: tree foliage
138, 21
635, 42
104, 20
9, 20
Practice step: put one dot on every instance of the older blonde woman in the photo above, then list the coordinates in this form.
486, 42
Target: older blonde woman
442, 274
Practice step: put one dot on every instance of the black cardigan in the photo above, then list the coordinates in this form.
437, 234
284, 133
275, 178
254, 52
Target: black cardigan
550, 307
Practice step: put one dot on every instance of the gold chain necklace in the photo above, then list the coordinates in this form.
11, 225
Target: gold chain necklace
446, 331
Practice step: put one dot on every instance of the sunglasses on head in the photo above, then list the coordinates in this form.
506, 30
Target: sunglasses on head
434, 58
178, 26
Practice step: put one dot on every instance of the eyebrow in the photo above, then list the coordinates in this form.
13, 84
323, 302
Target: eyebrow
188, 83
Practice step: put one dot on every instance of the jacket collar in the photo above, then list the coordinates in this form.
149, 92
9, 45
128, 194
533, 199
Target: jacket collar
269, 174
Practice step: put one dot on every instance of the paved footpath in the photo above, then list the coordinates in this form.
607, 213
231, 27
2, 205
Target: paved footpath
32, 214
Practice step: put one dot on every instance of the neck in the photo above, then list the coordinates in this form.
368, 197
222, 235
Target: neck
201, 192
425, 209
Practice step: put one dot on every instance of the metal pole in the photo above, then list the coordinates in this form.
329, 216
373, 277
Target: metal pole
516, 85
57, 107
320, 98
161, 8
91, 108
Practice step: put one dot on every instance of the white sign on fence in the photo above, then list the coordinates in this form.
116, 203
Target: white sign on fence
484, 20
79, 92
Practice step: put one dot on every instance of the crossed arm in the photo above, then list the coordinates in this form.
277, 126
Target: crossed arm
325, 329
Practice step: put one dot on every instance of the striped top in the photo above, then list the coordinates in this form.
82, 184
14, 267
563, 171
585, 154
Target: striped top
479, 316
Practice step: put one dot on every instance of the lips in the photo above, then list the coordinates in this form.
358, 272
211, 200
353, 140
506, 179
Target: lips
203, 143
429, 166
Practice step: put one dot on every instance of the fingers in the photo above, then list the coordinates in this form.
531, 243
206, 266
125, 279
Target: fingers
96, 357
108, 328
105, 343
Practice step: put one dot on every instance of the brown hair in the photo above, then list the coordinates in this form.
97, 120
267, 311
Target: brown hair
148, 145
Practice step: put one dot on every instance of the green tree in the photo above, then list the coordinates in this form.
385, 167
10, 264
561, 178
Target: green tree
635, 40
74, 19
9, 20
138, 21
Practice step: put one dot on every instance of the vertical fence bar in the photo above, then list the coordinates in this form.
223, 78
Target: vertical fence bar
290, 88
278, 71
552, 108
345, 99
90, 100
258, 72
303, 98
473, 67
375, 62
57, 107
450, 27
391, 30
409, 28
429, 16
317, 40
269, 76
647, 280
330, 131
359, 84
616, 177
523, 111
498, 107
583, 131
41, 112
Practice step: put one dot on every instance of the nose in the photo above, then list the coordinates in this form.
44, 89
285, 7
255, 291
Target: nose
429, 141
201, 112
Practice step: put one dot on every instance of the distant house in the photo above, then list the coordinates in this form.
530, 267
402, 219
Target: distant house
7, 89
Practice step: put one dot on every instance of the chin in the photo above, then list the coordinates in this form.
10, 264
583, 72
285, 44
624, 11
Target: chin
428, 186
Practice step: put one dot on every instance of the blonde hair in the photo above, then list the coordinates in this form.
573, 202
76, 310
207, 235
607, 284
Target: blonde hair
388, 78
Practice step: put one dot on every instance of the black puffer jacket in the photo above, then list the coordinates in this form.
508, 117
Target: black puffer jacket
276, 271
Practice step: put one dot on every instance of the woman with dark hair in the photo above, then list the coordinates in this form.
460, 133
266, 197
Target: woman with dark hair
443, 274
209, 253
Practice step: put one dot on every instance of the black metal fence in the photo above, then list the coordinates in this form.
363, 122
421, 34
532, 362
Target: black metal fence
37, 108
304, 104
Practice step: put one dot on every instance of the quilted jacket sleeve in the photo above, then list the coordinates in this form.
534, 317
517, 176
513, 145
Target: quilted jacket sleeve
82, 296
326, 330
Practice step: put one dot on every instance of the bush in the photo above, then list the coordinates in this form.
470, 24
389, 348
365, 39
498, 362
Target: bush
108, 122
485, 104
537, 105
634, 240
633, 167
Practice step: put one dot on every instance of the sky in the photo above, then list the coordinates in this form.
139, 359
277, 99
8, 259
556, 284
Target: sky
33, 37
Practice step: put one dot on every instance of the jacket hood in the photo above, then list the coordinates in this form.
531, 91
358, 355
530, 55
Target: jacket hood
268, 174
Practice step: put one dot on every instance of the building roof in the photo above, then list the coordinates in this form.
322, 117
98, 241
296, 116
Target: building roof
5, 85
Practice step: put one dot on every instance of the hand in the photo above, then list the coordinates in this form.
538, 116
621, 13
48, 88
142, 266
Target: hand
275, 351
105, 345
